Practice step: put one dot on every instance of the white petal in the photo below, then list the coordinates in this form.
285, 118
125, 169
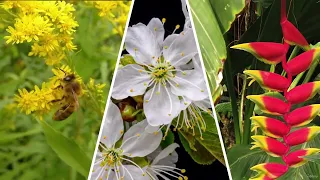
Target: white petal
169, 40
135, 173
187, 24
191, 84
142, 145
152, 129
204, 104
184, 8
131, 80
113, 126
182, 50
141, 43
100, 172
156, 26
161, 106
170, 160
165, 153
184, 103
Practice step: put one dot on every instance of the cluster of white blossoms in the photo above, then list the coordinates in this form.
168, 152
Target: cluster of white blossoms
168, 74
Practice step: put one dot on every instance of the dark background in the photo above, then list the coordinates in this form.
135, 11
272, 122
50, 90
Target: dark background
143, 11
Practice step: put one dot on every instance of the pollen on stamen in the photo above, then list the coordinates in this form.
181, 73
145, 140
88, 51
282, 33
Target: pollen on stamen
143, 174
164, 20
157, 93
177, 26
135, 49
177, 85
147, 101
145, 84
121, 131
138, 135
153, 57
202, 90
183, 170
165, 47
155, 133
174, 129
169, 114
201, 138
185, 177
182, 54
155, 29
131, 90
184, 73
185, 103
140, 70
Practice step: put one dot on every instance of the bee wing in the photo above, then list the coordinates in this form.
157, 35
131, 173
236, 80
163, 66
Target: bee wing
75, 98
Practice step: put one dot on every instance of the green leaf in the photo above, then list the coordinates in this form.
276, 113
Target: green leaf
205, 149
211, 41
223, 107
67, 149
200, 155
169, 139
9, 137
313, 158
226, 12
241, 159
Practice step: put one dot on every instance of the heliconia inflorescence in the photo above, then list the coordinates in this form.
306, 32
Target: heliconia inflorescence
279, 136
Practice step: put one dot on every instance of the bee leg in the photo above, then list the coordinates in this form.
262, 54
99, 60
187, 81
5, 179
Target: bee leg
59, 87
58, 100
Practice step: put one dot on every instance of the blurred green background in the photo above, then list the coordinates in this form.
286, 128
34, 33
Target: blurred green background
54, 150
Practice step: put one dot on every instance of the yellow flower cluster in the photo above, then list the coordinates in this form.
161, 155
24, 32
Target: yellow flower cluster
96, 89
116, 12
48, 25
41, 100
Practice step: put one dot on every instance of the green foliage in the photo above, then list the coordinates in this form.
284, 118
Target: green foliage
205, 149
64, 149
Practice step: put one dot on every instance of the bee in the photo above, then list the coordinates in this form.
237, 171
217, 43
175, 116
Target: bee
72, 89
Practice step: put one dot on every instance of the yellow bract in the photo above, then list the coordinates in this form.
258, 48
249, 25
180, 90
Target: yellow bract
47, 25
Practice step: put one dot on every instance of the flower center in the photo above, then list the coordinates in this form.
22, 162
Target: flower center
161, 72
111, 157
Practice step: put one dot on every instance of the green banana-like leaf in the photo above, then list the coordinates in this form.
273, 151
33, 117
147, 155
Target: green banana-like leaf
212, 19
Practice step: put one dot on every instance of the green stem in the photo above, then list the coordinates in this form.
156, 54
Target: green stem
248, 113
244, 87
232, 94
292, 55
310, 72
296, 81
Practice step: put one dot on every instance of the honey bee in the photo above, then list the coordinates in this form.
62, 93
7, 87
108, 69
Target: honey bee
72, 89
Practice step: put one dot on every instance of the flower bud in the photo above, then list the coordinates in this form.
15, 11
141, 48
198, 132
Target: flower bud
267, 52
268, 80
270, 105
303, 92
295, 159
127, 112
302, 135
302, 62
302, 116
272, 146
271, 127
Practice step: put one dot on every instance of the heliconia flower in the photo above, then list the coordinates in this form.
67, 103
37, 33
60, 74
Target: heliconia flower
267, 52
293, 36
295, 159
272, 146
302, 62
271, 127
270, 105
268, 80
272, 170
302, 135
302, 116
303, 92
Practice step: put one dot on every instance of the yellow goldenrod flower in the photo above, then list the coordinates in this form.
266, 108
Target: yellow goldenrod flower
47, 25
40, 101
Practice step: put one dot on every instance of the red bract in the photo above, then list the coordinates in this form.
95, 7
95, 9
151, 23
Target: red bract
271, 127
268, 80
293, 36
267, 52
302, 62
301, 136
295, 159
270, 105
272, 146
272, 170
302, 116
303, 92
